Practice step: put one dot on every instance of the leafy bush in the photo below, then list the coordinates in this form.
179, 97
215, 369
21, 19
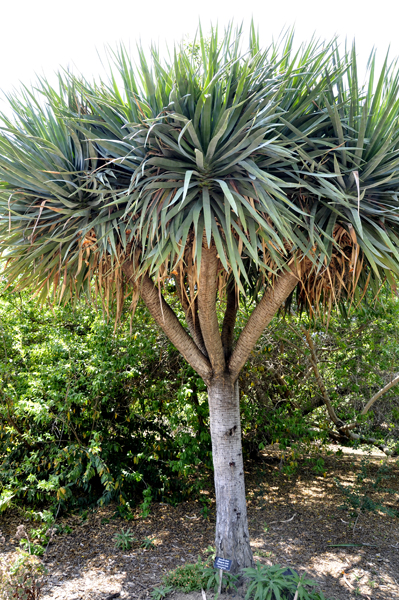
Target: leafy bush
88, 416
21, 579
357, 355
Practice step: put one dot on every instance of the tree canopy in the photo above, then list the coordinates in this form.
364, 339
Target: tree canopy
275, 155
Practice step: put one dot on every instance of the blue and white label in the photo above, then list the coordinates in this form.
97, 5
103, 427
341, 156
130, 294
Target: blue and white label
222, 563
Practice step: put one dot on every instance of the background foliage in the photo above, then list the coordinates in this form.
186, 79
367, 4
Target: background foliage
89, 415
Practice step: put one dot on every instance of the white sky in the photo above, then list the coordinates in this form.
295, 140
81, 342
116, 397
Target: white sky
39, 36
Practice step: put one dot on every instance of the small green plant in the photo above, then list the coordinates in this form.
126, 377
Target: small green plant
45, 516
124, 512
147, 543
277, 583
145, 506
211, 551
40, 533
212, 576
31, 548
319, 466
63, 529
160, 592
264, 553
206, 506
124, 539
22, 579
205, 511
22, 536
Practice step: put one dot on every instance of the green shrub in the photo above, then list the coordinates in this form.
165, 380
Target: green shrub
88, 416
187, 578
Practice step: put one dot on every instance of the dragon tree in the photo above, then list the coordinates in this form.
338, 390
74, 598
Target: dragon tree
218, 173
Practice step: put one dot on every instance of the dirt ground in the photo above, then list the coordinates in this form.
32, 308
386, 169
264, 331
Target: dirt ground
295, 523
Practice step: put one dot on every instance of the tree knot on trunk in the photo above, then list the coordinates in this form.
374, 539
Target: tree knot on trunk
232, 464
231, 431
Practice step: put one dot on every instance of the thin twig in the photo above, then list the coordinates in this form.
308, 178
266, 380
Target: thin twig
286, 521
348, 582
356, 522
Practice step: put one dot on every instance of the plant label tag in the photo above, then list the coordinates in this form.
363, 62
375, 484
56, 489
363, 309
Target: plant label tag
222, 563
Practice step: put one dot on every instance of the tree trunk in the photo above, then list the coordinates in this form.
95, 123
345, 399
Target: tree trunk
232, 535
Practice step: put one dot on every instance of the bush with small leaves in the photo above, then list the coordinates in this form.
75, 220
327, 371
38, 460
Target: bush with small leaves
187, 578
22, 579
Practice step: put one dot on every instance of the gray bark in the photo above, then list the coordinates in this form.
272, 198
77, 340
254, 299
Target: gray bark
261, 316
207, 298
232, 535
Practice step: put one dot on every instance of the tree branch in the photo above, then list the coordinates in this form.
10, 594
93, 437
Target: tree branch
229, 320
342, 438
207, 292
320, 382
261, 316
164, 316
192, 319
343, 429
370, 403
382, 391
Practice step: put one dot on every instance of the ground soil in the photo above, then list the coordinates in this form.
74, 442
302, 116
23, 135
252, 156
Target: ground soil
295, 522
